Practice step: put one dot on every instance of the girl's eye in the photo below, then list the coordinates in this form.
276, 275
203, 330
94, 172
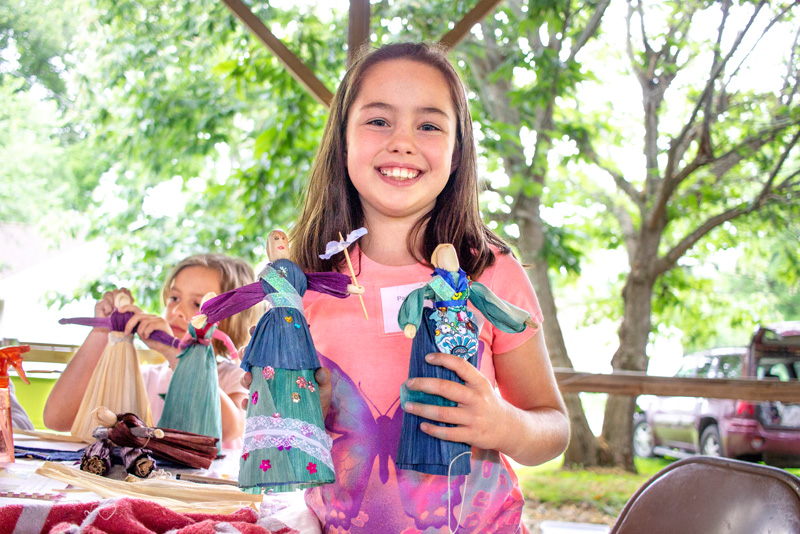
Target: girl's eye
377, 122
173, 299
429, 128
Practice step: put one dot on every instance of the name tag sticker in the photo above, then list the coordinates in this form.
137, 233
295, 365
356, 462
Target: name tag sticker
391, 300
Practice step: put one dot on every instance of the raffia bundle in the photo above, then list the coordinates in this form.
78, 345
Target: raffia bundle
177, 446
177, 495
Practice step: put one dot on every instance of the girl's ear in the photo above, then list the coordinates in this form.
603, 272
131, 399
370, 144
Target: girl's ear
456, 160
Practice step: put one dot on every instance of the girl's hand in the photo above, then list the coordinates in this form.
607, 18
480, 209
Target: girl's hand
323, 377
105, 305
145, 324
479, 413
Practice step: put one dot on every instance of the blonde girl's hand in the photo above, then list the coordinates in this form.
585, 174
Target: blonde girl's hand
479, 411
105, 305
145, 324
323, 377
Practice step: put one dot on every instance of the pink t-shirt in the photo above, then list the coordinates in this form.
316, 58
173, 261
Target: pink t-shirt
369, 362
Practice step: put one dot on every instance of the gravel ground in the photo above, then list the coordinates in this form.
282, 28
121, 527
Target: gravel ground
536, 512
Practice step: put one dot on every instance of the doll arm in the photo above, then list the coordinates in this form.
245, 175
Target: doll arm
232, 302
410, 313
330, 283
102, 322
502, 314
226, 339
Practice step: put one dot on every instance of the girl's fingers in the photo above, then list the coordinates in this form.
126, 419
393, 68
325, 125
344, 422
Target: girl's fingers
246, 380
465, 370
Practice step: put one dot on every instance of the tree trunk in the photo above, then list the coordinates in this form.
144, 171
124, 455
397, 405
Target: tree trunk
582, 449
632, 356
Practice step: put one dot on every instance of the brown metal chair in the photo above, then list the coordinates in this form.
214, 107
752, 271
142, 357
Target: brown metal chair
705, 495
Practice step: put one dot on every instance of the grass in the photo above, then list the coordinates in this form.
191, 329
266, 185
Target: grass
607, 489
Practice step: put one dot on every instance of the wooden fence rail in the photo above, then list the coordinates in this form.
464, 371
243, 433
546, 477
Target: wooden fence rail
569, 381
635, 384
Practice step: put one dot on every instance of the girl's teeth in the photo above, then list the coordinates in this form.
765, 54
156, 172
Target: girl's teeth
403, 174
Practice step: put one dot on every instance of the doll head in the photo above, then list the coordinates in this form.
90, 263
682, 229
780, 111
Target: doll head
121, 299
445, 257
277, 245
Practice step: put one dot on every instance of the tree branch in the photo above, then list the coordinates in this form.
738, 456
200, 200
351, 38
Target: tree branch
669, 260
590, 29
670, 181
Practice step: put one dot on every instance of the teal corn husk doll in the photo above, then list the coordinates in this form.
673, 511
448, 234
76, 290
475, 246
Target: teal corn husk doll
285, 446
447, 327
192, 403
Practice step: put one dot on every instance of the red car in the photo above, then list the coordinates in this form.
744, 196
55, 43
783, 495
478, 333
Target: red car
758, 431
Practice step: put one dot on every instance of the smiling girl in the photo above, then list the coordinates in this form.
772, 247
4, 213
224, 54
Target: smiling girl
398, 157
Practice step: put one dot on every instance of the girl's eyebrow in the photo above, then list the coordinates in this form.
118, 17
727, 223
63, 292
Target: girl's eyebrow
389, 107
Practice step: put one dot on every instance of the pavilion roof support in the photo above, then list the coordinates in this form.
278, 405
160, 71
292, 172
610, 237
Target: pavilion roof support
296, 67
473, 17
358, 29
358, 35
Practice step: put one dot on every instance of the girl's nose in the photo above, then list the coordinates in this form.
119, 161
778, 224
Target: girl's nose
402, 140
182, 311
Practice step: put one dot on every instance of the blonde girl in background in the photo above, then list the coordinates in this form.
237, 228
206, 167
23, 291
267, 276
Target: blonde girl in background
182, 293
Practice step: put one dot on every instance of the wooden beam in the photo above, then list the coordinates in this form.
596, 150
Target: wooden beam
358, 28
296, 67
463, 27
635, 384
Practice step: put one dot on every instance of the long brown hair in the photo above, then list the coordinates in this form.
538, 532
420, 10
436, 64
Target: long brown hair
332, 204
233, 273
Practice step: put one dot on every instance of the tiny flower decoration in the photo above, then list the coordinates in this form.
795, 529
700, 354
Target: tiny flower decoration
245, 456
265, 465
295, 397
312, 468
255, 397
276, 415
301, 382
311, 387
268, 372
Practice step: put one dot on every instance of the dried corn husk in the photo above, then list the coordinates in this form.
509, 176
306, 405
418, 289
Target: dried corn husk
46, 435
116, 384
177, 495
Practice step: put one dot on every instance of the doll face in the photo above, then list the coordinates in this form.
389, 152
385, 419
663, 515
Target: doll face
277, 245
401, 135
186, 295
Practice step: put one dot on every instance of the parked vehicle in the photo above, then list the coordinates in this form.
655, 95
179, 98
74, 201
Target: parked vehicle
758, 431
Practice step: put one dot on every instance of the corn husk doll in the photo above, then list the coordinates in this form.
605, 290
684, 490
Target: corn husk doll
447, 327
285, 443
116, 382
192, 402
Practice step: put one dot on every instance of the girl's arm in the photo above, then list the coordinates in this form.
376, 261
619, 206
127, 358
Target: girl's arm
67, 393
232, 416
530, 404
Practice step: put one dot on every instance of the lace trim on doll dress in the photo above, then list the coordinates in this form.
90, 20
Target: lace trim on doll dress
265, 432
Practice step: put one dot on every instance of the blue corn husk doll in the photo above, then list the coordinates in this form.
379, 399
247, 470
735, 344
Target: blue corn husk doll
192, 402
447, 327
285, 446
